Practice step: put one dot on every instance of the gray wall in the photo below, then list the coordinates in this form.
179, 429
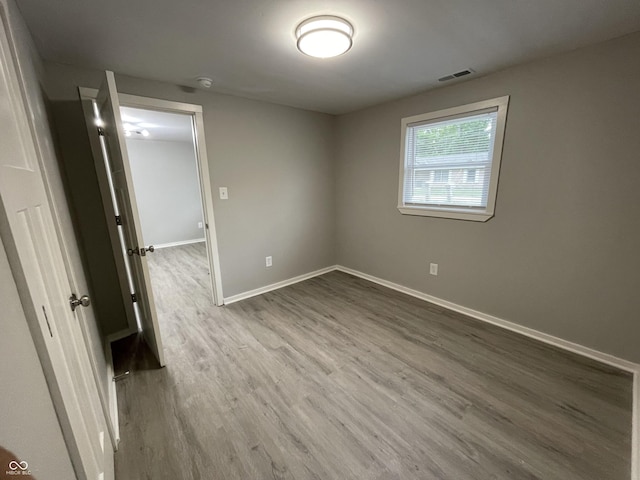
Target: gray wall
167, 190
276, 162
561, 254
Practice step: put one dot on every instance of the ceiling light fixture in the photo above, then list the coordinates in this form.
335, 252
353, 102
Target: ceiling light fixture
130, 130
325, 36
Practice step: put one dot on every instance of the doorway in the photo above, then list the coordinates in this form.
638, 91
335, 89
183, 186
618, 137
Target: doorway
111, 137
162, 155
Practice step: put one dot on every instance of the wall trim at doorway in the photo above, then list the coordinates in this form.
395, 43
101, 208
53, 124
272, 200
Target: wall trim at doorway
177, 244
144, 102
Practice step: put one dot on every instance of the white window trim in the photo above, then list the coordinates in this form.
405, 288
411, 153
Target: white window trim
459, 213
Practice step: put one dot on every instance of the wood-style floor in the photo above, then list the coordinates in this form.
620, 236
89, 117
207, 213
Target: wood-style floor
339, 378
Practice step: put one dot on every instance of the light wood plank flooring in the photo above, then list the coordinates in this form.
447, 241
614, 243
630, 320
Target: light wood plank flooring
339, 378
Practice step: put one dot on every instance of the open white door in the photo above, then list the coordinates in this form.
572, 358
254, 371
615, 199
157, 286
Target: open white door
112, 129
35, 255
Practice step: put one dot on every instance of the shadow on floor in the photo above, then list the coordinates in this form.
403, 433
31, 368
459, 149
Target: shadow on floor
132, 354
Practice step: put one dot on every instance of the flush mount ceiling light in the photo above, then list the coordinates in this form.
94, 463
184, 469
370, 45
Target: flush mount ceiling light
324, 37
131, 130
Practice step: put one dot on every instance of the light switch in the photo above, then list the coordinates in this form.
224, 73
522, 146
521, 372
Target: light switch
224, 194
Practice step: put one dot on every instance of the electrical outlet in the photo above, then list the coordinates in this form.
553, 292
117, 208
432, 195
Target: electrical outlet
268, 261
224, 193
433, 269
199, 224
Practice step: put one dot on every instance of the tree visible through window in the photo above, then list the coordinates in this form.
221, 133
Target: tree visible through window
451, 160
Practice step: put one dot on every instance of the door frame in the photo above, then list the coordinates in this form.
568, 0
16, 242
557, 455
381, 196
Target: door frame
202, 163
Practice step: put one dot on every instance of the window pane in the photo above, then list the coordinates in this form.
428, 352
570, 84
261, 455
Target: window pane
471, 175
448, 162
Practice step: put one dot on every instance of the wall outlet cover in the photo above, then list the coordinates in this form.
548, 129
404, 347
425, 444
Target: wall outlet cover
224, 193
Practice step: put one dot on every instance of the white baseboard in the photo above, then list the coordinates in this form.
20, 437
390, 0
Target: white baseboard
275, 286
612, 360
635, 429
177, 244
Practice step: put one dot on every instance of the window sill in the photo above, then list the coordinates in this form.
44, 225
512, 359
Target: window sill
456, 214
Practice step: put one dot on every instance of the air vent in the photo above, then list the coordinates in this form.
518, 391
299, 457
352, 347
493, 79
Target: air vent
459, 74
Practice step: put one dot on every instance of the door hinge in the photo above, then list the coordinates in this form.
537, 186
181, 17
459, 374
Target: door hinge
134, 298
101, 131
118, 220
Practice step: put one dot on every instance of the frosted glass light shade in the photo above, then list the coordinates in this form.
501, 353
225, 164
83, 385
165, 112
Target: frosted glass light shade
324, 37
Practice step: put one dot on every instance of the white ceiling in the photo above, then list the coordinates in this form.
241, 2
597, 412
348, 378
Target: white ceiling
248, 46
171, 127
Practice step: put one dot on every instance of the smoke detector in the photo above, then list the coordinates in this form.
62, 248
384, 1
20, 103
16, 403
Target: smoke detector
204, 82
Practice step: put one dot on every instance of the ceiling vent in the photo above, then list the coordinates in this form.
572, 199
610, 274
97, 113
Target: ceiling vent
459, 74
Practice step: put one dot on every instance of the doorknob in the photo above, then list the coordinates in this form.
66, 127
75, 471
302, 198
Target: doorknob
140, 251
76, 302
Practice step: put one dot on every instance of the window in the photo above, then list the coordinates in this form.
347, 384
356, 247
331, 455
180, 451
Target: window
450, 161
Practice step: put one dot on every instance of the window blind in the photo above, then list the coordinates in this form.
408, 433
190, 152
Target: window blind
448, 160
